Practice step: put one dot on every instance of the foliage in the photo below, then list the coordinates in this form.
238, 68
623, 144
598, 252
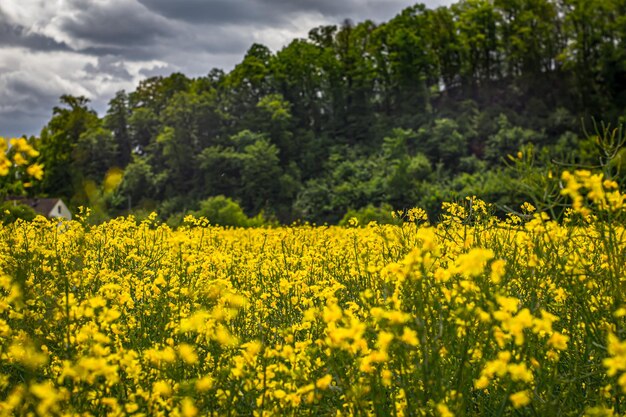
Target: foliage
366, 215
223, 211
10, 211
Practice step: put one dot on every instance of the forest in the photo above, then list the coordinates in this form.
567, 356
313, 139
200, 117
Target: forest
484, 98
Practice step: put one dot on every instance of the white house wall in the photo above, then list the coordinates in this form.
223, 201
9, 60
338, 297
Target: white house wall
60, 210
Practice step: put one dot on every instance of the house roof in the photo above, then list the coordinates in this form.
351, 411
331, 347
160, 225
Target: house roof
40, 205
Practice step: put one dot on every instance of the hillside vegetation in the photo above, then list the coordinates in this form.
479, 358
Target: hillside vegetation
411, 112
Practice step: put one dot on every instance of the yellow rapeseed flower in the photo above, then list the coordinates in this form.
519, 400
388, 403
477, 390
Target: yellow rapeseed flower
161, 389
35, 171
444, 411
324, 382
520, 399
558, 341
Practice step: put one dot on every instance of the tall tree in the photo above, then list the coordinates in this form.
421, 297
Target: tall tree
245, 85
530, 33
445, 43
153, 93
117, 121
298, 76
95, 153
477, 22
356, 64
588, 30
412, 63
59, 139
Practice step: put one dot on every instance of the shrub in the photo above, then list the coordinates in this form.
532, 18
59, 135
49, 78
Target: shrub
365, 215
11, 211
224, 211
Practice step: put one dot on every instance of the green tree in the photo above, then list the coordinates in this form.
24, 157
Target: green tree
260, 176
443, 142
298, 76
276, 121
143, 127
139, 183
59, 139
220, 169
153, 93
508, 140
224, 211
191, 123
404, 168
412, 63
529, 36
117, 121
587, 26
245, 85
476, 25
353, 96
95, 152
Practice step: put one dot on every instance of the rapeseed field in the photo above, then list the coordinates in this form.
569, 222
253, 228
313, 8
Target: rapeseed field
473, 316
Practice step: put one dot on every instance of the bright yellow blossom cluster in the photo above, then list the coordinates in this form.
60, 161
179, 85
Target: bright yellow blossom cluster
616, 362
473, 316
583, 185
17, 153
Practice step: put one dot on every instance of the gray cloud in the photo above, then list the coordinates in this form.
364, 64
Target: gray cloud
128, 29
12, 34
26, 90
163, 70
353, 9
218, 12
24, 101
109, 65
114, 23
268, 12
129, 53
20, 122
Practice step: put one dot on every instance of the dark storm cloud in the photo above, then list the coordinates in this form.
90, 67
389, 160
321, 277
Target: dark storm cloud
331, 8
215, 11
130, 53
28, 103
23, 90
12, 34
20, 122
269, 12
217, 41
132, 31
338, 10
121, 23
34, 96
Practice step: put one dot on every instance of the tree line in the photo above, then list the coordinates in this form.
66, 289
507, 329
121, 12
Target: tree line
432, 105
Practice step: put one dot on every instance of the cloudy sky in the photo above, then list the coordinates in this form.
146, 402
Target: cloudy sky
97, 47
